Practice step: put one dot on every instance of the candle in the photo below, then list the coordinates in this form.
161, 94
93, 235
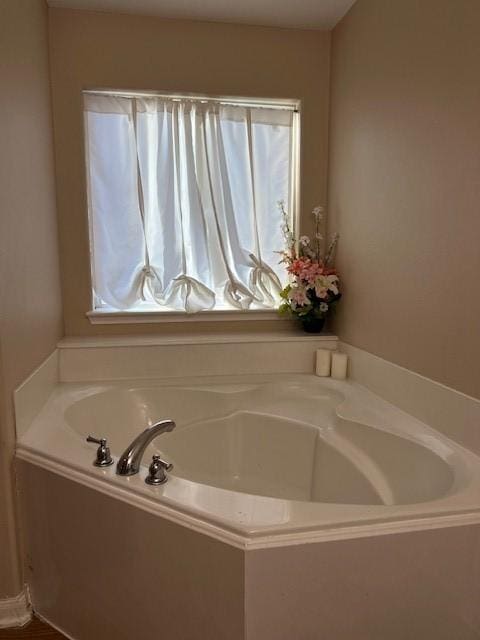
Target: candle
339, 365
323, 361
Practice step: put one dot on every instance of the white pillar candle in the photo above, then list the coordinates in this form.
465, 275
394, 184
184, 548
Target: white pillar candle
339, 365
323, 361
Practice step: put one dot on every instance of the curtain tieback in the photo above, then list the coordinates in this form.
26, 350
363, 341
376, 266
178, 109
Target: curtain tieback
264, 281
147, 276
195, 295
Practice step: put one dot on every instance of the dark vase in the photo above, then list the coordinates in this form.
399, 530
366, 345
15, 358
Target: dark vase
312, 325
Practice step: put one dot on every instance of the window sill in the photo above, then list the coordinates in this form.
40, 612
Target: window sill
99, 316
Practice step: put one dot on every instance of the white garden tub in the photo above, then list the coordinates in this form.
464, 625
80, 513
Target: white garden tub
266, 460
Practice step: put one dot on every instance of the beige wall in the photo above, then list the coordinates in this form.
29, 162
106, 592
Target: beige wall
30, 301
404, 188
118, 51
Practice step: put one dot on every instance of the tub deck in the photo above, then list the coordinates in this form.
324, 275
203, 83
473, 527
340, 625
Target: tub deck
345, 463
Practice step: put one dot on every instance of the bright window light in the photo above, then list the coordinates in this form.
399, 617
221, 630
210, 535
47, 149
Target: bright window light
183, 198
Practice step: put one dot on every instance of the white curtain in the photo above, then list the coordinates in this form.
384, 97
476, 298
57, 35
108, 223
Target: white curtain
183, 201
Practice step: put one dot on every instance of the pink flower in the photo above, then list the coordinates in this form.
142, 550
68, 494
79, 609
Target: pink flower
298, 265
306, 270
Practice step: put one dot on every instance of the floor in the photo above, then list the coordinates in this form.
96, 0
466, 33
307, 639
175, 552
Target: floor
35, 629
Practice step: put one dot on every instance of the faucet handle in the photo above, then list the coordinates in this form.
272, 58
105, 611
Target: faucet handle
156, 470
103, 459
168, 466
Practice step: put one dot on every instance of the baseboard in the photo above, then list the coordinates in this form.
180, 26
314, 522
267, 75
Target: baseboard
16, 611
53, 625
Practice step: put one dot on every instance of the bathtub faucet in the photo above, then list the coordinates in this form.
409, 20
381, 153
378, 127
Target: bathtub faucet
130, 460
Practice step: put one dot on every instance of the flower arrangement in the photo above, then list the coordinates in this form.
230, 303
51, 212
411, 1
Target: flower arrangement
314, 284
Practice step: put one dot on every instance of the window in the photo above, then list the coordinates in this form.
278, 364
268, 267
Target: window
183, 196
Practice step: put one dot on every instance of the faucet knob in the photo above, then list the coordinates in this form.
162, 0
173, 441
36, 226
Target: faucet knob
156, 471
103, 459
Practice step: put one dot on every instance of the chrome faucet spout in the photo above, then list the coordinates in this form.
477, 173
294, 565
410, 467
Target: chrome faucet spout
130, 460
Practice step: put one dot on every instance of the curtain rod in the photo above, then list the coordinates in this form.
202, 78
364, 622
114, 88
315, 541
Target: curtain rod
227, 101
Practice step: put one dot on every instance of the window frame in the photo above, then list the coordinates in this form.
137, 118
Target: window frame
107, 315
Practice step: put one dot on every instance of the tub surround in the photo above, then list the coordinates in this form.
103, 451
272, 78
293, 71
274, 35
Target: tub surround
34, 392
447, 410
451, 412
111, 358
346, 429
246, 571
88, 368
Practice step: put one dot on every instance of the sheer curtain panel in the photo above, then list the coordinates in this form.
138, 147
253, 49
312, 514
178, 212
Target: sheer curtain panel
183, 202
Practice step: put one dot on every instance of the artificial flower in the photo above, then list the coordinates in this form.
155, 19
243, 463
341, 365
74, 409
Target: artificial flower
314, 283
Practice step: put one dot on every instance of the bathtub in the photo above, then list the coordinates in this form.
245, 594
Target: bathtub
297, 508
263, 461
